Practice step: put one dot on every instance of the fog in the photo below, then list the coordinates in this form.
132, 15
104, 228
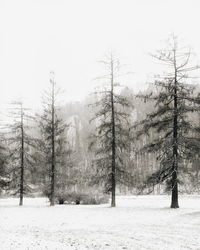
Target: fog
69, 37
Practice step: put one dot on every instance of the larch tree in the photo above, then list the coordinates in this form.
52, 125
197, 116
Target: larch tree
20, 144
174, 100
52, 129
111, 139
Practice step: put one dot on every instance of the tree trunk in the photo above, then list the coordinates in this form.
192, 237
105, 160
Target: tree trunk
22, 161
52, 195
113, 173
174, 201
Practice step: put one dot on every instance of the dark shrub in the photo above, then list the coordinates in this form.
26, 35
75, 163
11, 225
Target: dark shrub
85, 198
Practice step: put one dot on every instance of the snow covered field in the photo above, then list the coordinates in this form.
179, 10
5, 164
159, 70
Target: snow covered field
142, 222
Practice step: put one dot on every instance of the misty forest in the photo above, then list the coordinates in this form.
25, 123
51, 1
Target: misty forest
116, 142
117, 170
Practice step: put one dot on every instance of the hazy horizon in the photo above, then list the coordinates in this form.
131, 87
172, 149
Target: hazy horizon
69, 37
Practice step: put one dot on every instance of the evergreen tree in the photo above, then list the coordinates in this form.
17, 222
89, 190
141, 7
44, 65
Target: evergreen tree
20, 143
111, 139
173, 102
52, 129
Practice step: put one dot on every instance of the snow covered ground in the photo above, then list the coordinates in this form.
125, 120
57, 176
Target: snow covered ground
137, 223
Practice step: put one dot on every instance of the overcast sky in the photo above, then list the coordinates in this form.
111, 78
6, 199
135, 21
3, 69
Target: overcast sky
70, 36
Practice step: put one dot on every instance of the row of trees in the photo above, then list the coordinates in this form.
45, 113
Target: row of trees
177, 137
122, 144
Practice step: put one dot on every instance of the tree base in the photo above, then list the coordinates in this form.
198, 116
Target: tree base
174, 206
21, 202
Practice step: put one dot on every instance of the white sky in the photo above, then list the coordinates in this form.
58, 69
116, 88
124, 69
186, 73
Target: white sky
70, 36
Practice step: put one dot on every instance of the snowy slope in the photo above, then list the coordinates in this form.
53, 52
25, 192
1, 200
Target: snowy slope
143, 222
